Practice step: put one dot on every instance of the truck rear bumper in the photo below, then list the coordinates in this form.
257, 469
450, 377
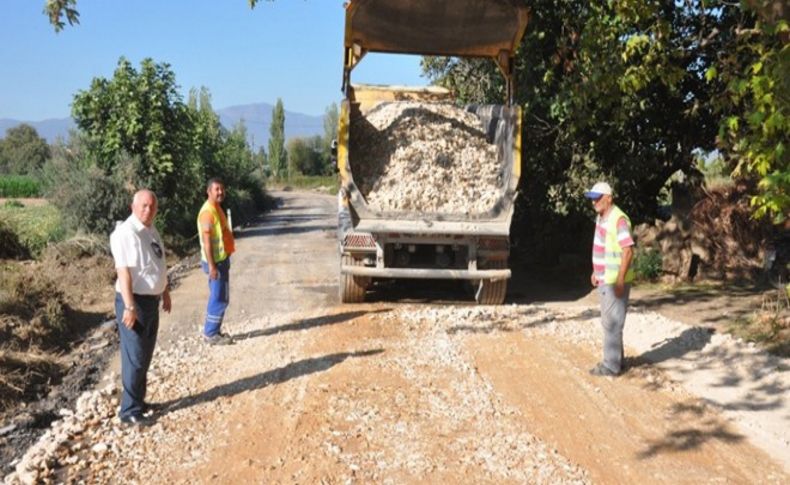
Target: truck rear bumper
417, 273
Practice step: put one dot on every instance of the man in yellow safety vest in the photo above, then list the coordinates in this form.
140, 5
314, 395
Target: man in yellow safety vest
216, 246
612, 274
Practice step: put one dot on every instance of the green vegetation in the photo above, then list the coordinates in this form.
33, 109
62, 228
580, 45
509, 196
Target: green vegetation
276, 156
329, 183
30, 228
22, 151
19, 186
629, 91
751, 80
136, 131
313, 155
647, 264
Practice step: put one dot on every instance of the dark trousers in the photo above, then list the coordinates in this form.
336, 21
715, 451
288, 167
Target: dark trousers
137, 348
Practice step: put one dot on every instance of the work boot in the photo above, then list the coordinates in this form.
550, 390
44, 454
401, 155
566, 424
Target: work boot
602, 370
218, 339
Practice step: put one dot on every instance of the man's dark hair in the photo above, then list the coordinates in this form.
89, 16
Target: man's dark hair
214, 180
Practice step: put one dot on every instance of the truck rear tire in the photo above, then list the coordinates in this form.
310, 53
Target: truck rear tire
350, 289
489, 292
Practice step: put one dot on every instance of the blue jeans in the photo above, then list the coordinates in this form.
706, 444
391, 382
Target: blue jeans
137, 349
218, 297
613, 310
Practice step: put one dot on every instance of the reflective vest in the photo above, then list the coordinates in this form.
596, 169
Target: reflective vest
613, 253
217, 242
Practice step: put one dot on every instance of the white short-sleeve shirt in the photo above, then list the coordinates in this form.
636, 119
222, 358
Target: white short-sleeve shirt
140, 249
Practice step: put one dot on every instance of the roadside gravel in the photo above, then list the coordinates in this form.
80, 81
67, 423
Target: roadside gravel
314, 392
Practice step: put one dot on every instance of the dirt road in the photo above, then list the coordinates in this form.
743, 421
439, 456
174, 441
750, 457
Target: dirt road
402, 391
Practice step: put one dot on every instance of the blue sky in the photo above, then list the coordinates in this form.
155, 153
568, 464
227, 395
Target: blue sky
291, 49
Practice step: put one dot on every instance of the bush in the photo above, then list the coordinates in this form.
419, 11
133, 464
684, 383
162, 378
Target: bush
647, 264
245, 197
19, 186
31, 228
308, 182
90, 200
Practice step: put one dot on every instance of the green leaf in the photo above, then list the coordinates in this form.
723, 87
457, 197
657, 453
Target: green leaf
711, 73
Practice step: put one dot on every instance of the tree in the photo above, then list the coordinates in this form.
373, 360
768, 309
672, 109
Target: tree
276, 153
140, 114
22, 151
611, 90
208, 135
629, 90
305, 156
752, 80
135, 131
236, 157
89, 198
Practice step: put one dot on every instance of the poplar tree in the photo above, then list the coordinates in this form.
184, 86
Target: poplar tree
276, 152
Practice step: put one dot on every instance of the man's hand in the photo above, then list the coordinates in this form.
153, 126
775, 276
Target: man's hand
166, 302
593, 279
129, 317
625, 262
213, 273
619, 289
130, 311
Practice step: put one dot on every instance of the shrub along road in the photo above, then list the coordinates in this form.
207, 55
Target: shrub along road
408, 390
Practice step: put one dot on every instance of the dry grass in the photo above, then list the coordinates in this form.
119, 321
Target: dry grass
44, 309
768, 326
25, 374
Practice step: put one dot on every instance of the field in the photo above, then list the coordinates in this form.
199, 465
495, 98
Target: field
26, 228
325, 183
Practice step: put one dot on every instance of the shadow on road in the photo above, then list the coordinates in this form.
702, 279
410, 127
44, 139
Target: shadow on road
306, 324
690, 340
688, 439
275, 376
736, 367
281, 230
536, 284
709, 301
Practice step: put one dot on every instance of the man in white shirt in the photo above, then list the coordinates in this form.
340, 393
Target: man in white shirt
139, 256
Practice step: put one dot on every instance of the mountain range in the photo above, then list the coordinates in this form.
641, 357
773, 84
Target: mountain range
257, 118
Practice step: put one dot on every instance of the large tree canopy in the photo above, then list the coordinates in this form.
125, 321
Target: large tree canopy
628, 91
140, 113
136, 131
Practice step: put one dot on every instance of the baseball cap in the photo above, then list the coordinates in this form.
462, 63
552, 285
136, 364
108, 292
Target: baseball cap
597, 190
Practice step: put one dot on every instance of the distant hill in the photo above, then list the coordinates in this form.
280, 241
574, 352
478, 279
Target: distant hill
49, 129
257, 118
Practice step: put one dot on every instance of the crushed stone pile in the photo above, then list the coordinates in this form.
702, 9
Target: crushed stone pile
416, 156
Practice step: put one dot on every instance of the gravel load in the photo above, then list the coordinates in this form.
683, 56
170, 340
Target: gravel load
426, 157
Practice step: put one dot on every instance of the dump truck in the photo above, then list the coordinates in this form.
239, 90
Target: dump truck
427, 188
